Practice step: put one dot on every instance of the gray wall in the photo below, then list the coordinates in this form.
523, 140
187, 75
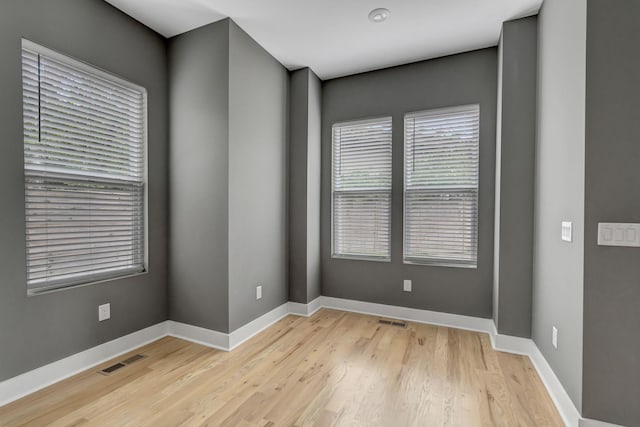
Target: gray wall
611, 378
498, 178
199, 183
41, 329
314, 187
456, 80
559, 189
515, 149
305, 93
258, 96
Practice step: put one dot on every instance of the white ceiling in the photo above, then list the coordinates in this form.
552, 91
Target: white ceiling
335, 37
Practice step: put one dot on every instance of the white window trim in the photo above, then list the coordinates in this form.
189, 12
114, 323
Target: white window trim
437, 262
353, 257
112, 77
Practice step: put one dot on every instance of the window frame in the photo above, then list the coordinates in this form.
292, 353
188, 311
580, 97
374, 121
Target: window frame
432, 261
98, 72
351, 257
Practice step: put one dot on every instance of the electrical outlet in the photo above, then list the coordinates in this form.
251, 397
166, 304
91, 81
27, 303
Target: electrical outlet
104, 312
259, 292
407, 286
554, 337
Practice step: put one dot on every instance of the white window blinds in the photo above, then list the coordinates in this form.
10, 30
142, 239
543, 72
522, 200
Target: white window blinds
441, 186
84, 162
361, 187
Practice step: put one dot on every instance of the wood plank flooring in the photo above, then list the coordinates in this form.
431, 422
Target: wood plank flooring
332, 369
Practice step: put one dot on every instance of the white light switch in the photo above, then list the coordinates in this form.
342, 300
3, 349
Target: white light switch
407, 285
618, 234
567, 231
104, 312
259, 292
554, 337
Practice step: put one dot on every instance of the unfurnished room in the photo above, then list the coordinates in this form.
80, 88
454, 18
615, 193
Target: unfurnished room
385, 213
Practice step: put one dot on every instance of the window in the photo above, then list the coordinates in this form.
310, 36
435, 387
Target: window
84, 164
441, 186
361, 187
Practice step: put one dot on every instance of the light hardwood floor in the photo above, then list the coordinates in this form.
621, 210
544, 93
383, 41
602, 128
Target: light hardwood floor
331, 369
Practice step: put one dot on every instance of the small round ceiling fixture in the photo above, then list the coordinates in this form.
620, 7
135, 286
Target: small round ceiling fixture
379, 15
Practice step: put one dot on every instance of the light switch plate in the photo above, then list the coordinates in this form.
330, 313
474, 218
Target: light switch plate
259, 292
567, 231
407, 286
104, 312
619, 234
554, 337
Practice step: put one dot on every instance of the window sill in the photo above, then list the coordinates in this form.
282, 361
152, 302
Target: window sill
357, 258
445, 264
63, 287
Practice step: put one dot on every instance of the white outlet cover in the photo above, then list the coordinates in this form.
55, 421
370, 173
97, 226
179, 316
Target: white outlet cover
554, 337
259, 292
407, 286
104, 312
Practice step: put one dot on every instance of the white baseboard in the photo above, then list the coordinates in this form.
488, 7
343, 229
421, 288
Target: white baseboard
410, 314
586, 422
27, 383
37, 379
568, 411
256, 326
198, 335
306, 310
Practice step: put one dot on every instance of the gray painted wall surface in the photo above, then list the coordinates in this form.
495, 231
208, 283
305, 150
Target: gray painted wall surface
455, 80
314, 186
496, 218
258, 96
559, 189
298, 134
305, 93
611, 376
199, 134
38, 330
515, 173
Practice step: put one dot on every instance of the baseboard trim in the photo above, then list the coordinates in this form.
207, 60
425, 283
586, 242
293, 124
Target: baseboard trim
305, 310
587, 422
458, 321
37, 379
198, 335
559, 395
32, 381
256, 326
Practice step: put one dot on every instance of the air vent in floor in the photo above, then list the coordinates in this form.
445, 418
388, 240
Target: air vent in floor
111, 369
133, 359
392, 323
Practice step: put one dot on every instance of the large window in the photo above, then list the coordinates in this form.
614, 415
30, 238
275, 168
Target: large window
361, 187
84, 163
441, 186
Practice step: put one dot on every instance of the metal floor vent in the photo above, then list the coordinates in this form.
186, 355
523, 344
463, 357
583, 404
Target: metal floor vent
133, 359
111, 369
393, 323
